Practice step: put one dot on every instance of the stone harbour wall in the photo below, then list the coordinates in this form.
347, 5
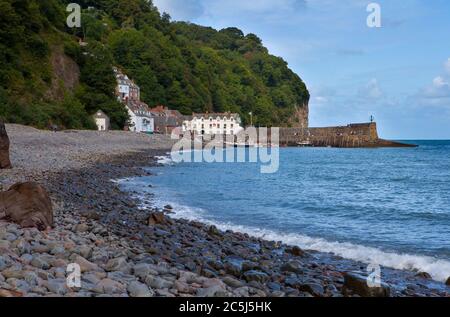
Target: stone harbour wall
357, 135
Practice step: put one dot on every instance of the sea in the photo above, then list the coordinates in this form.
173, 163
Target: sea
388, 206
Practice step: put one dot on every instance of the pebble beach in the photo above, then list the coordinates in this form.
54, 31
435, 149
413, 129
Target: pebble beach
126, 251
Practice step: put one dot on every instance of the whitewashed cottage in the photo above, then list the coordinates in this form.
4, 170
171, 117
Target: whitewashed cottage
102, 121
141, 119
213, 123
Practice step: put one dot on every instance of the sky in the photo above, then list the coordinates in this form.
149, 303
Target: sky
399, 72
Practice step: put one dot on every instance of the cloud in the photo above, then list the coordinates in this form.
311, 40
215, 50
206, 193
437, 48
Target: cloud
323, 95
438, 92
447, 65
440, 88
371, 90
350, 52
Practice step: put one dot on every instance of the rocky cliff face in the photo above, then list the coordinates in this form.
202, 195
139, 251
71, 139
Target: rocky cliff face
4, 147
300, 117
65, 77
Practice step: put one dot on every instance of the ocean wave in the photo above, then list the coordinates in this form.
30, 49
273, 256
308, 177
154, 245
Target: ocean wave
164, 160
439, 269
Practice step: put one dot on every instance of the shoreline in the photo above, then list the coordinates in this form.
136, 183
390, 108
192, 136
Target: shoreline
123, 255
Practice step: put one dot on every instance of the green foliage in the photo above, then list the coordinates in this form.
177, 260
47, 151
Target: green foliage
182, 65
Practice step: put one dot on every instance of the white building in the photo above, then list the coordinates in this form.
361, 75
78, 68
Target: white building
141, 119
213, 123
101, 120
126, 89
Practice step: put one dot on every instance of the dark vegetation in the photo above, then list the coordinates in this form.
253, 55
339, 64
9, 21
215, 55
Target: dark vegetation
184, 66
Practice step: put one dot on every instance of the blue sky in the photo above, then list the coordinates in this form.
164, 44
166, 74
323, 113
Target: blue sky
400, 73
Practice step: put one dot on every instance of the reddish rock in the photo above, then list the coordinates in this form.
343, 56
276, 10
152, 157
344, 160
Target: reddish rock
28, 205
157, 218
296, 251
4, 148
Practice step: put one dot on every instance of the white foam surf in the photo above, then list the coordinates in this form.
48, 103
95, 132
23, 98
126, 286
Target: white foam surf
164, 160
438, 268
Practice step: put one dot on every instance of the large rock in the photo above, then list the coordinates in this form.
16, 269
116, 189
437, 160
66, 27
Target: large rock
359, 285
28, 205
4, 147
158, 218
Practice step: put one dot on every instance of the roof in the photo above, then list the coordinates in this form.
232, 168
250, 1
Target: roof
100, 115
166, 112
123, 79
139, 108
216, 114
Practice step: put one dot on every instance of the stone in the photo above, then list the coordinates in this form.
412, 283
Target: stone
141, 270
3, 262
121, 277
424, 275
137, 289
212, 230
28, 205
40, 248
82, 227
57, 286
110, 287
118, 264
40, 262
84, 250
293, 281
84, 264
10, 293
4, 148
157, 282
213, 291
91, 278
293, 267
91, 214
296, 251
358, 285
249, 266
19, 285
209, 273
233, 266
242, 292
275, 287
232, 282
157, 218
15, 271
182, 287
313, 288
448, 282
256, 276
